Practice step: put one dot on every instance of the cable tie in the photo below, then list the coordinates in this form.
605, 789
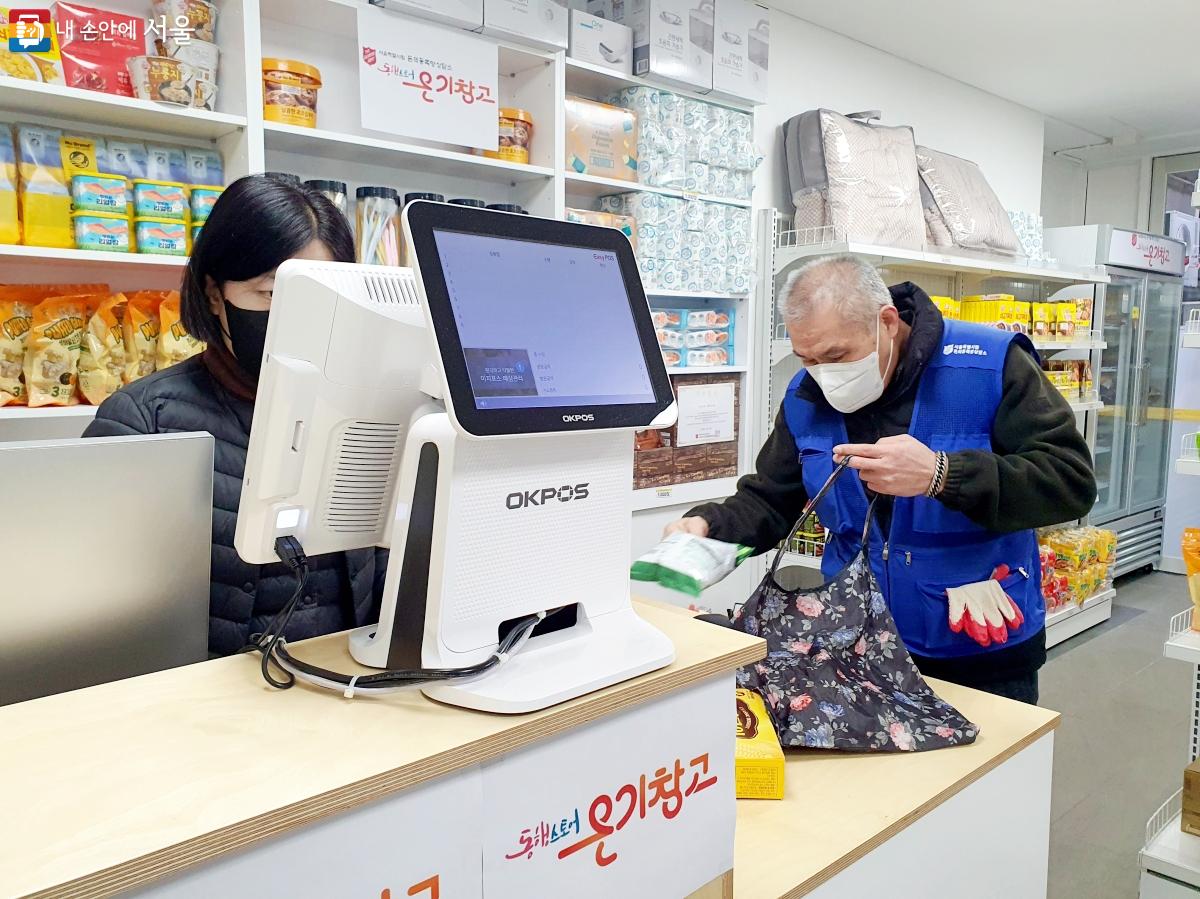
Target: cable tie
349, 691
500, 656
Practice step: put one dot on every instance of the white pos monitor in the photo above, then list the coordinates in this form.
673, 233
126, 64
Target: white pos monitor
474, 416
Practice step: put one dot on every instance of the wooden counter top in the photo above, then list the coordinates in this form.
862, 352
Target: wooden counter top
840, 806
111, 787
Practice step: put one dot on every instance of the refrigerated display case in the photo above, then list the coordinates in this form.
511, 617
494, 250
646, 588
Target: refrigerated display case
1139, 315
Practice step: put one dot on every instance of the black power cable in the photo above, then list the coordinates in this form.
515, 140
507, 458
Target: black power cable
272, 645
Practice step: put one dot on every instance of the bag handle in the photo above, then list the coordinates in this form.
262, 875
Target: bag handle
810, 507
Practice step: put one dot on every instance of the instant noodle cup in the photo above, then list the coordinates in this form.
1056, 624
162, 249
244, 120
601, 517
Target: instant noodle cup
201, 16
290, 92
107, 231
140, 328
102, 351
163, 79
175, 344
52, 356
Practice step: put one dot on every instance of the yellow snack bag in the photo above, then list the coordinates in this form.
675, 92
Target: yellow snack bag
1190, 545
52, 356
758, 759
174, 343
141, 329
10, 219
102, 353
16, 318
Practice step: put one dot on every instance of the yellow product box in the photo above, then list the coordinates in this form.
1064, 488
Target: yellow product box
1083, 314
1023, 318
1041, 316
23, 33
1064, 321
601, 140
948, 306
758, 758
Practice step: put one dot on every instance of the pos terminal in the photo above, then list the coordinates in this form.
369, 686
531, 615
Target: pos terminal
473, 414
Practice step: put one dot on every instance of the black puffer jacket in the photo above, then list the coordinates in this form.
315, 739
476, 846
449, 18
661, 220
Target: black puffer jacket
343, 588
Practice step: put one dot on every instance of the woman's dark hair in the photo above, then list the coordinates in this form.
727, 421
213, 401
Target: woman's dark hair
257, 223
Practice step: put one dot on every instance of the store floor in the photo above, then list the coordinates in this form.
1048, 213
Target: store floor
1122, 745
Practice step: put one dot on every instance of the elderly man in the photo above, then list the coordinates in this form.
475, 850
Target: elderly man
956, 431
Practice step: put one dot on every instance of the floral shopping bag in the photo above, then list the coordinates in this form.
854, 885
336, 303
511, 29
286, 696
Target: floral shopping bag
837, 675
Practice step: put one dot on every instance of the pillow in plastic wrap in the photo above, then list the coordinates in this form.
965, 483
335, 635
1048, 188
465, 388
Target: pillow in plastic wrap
965, 203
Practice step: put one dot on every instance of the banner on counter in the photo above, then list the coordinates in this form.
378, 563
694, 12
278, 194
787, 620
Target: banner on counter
426, 82
639, 804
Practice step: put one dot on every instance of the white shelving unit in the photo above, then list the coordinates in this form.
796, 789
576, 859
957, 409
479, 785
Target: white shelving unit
800, 560
1189, 455
1065, 623
1191, 331
683, 494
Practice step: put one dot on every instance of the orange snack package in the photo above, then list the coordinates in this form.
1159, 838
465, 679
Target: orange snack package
52, 356
141, 329
102, 353
174, 342
17, 302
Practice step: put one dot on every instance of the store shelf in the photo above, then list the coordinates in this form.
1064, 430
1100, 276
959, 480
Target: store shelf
819, 242
594, 186
1189, 455
34, 98
706, 369
1191, 341
692, 295
590, 80
1187, 466
14, 413
1078, 406
683, 494
1089, 343
1183, 643
1066, 623
1169, 852
801, 560
354, 148
58, 257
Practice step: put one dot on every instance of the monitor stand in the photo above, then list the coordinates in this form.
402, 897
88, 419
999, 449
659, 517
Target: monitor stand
486, 532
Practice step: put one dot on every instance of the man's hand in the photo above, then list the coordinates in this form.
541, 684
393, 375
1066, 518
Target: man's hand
693, 525
895, 466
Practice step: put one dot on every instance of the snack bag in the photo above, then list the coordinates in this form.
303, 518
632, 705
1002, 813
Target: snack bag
102, 353
10, 221
141, 329
688, 563
1191, 560
17, 302
16, 318
174, 343
52, 356
45, 189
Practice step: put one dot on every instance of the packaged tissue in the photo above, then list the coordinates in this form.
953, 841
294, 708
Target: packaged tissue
601, 140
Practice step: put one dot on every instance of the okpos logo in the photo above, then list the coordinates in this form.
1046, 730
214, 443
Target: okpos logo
963, 349
582, 416
545, 496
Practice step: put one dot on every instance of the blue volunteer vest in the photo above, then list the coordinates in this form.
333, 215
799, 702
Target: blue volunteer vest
929, 547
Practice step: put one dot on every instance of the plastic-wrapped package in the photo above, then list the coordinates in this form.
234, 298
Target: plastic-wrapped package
966, 203
688, 563
857, 177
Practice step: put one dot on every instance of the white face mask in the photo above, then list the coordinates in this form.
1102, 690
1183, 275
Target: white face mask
848, 386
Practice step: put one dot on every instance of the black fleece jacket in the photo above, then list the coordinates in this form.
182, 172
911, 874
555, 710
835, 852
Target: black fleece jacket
1038, 473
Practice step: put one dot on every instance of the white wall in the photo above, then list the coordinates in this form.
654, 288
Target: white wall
1064, 191
812, 67
1114, 195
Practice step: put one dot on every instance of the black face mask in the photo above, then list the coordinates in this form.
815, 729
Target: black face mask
248, 334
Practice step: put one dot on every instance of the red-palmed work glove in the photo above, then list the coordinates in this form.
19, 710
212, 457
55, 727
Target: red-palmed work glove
984, 610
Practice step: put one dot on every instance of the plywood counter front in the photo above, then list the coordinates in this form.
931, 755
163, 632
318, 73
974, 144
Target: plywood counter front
115, 786
839, 807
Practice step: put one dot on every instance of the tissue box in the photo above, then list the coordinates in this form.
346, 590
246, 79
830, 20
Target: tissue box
539, 22
601, 42
601, 140
672, 39
741, 50
758, 758
463, 13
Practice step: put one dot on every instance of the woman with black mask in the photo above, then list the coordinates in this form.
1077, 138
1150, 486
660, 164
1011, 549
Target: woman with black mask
258, 223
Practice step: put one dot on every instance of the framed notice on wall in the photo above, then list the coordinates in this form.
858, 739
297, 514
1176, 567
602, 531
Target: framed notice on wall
706, 413
427, 82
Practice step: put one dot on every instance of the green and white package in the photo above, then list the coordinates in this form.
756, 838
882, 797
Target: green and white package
688, 563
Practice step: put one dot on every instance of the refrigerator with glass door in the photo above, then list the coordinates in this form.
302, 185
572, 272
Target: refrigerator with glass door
1138, 319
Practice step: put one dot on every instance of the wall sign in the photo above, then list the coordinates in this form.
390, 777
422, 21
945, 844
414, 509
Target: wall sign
706, 413
427, 82
1145, 251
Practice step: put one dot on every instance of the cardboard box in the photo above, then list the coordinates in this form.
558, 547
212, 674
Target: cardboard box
462, 13
758, 758
672, 39
539, 22
601, 140
601, 42
1191, 798
740, 26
